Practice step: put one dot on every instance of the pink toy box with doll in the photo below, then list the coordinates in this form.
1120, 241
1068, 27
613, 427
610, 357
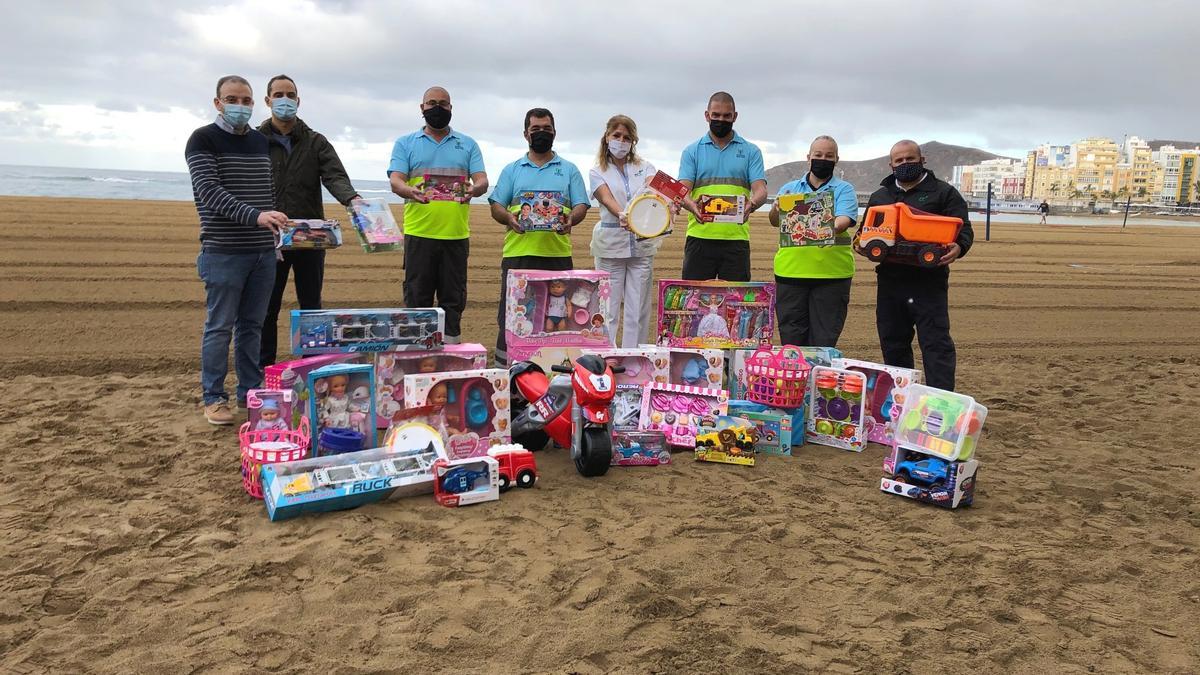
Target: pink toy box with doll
342, 399
680, 411
270, 409
294, 375
715, 314
391, 367
474, 403
884, 395
556, 309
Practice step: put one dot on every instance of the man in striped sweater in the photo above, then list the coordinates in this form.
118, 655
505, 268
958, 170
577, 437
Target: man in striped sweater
231, 182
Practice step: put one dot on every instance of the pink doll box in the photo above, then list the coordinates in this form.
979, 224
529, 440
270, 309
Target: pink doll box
679, 411
642, 366
391, 367
695, 367
556, 309
715, 314
294, 375
270, 409
475, 405
835, 408
884, 395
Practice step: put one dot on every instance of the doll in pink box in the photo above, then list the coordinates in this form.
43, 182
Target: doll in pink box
556, 306
713, 324
269, 418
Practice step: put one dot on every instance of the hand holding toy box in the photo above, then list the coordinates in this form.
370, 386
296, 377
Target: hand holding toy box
651, 212
722, 208
715, 314
835, 408
459, 482
341, 407
806, 219
475, 404
323, 331
391, 367
556, 309
312, 234
377, 229
680, 411
884, 395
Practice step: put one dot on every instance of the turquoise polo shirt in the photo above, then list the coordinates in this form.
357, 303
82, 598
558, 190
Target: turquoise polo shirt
557, 175
721, 171
418, 154
817, 262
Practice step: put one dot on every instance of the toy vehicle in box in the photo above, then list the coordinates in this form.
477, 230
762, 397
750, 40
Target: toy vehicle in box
934, 481
722, 208
312, 234
899, 233
516, 465
884, 395
730, 442
475, 404
322, 331
459, 482
715, 314
391, 367
640, 448
556, 309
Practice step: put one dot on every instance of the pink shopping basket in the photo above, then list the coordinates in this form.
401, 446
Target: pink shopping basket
269, 446
777, 376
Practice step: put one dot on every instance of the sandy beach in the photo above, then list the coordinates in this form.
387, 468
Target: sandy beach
129, 545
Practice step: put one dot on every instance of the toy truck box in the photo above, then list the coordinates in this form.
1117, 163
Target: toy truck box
324, 331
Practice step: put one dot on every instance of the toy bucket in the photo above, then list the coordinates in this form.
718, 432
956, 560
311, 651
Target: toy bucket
269, 446
777, 377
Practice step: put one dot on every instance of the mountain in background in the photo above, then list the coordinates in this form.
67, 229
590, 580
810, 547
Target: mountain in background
865, 175
1157, 145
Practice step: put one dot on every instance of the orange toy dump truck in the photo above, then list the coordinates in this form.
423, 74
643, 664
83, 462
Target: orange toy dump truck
900, 233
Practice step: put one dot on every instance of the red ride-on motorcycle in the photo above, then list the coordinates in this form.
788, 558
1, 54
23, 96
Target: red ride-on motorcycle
539, 405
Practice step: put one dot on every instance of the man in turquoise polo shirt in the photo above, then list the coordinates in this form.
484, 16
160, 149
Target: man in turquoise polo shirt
812, 283
721, 163
541, 170
436, 222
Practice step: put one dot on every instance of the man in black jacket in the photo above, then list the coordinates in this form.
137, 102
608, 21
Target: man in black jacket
909, 296
301, 160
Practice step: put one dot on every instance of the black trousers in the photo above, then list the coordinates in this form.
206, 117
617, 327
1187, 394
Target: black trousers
811, 312
903, 306
437, 268
309, 267
716, 259
522, 262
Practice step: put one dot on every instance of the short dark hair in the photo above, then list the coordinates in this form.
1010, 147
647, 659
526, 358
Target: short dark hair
538, 112
236, 79
275, 79
722, 97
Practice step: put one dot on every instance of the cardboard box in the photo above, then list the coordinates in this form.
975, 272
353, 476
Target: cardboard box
308, 235
324, 331
556, 309
342, 396
391, 367
376, 227
731, 441
459, 482
835, 408
957, 490
640, 448
643, 365
270, 409
475, 405
680, 411
806, 219
715, 314
294, 375
722, 208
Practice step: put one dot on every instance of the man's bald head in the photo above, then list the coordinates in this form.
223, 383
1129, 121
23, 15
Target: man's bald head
904, 152
435, 96
823, 147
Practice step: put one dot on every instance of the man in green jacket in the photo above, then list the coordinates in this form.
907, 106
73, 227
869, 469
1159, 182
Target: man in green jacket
301, 161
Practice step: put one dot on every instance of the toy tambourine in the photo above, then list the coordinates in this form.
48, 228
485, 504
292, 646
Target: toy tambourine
649, 215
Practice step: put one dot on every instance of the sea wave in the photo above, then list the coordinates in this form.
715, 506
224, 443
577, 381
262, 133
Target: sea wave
114, 179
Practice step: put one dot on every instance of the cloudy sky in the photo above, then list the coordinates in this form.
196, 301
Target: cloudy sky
121, 84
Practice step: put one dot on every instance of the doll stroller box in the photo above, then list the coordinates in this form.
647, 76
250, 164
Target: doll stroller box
475, 404
642, 366
835, 408
312, 234
715, 314
556, 309
680, 411
322, 331
294, 375
341, 405
459, 482
376, 228
391, 367
884, 395
346, 481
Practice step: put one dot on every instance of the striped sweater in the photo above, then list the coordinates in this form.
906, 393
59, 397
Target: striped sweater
231, 182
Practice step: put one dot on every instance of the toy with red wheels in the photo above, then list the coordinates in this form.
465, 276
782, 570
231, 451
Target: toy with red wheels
899, 233
517, 466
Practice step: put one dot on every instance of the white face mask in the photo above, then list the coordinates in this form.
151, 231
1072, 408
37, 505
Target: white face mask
619, 149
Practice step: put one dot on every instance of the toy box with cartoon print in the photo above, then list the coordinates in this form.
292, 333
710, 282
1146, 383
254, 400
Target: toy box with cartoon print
737, 383
643, 365
794, 423
324, 331
680, 411
376, 227
475, 404
694, 366
640, 448
556, 309
459, 482
715, 314
294, 375
336, 482
884, 395
342, 396
722, 208
806, 219
932, 480
774, 430
391, 367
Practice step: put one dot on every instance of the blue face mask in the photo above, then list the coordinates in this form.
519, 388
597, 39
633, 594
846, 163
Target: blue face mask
283, 108
237, 115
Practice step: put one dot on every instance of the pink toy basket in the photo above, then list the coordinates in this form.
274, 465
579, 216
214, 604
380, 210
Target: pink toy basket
777, 376
269, 446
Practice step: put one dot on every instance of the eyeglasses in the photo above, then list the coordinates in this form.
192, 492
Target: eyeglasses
234, 100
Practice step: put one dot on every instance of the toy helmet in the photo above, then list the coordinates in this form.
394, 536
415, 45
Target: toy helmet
270, 404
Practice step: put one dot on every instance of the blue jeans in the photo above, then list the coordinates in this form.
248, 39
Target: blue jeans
238, 286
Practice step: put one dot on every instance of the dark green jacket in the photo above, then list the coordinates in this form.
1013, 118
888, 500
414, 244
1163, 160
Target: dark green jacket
298, 174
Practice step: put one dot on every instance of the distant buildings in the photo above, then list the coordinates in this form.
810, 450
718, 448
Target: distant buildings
1092, 169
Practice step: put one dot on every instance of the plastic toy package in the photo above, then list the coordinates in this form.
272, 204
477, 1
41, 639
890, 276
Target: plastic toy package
474, 403
391, 367
459, 482
730, 440
270, 409
294, 375
341, 407
376, 227
694, 367
715, 314
650, 212
640, 448
722, 208
556, 309
323, 331
835, 408
404, 468
806, 219
313, 234
884, 395
445, 188
542, 211
680, 411
737, 381
643, 365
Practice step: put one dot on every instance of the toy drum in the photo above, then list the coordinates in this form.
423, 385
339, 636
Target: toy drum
649, 215
269, 446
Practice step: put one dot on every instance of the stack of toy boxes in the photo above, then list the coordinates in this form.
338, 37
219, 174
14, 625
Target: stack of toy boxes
643, 365
293, 375
883, 397
715, 314
475, 404
779, 429
391, 367
556, 309
932, 457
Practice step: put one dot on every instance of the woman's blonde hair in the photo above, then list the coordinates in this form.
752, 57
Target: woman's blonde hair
614, 122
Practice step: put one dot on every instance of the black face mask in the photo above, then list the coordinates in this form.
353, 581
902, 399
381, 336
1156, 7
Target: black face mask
436, 117
720, 128
821, 168
907, 173
541, 141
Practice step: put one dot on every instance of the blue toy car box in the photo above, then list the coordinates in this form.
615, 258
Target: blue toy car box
324, 331
742, 407
933, 480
